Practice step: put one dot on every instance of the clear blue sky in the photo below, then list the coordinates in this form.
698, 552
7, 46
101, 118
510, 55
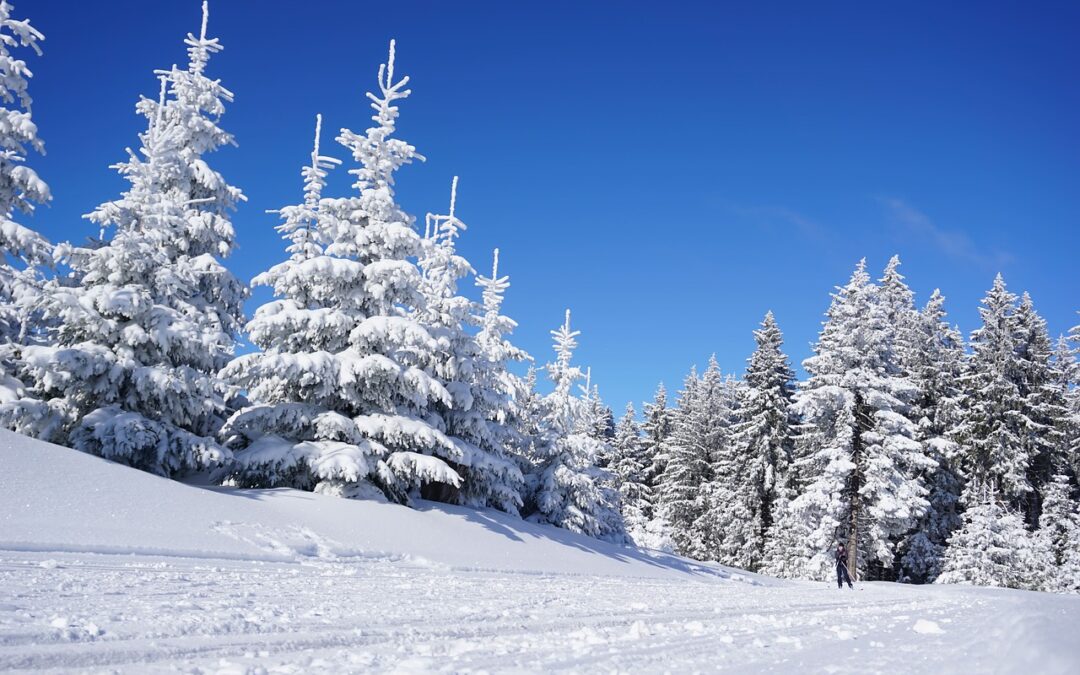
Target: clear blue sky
668, 170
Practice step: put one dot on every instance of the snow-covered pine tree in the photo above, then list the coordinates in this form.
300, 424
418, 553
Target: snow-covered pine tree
477, 420
1045, 409
569, 491
149, 316
349, 406
629, 470
762, 444
21, 190
992, 434
992, 547
531, 407
1070, 371
291, 434
1057, 540
500, 392
863, 463
656, 428
687, 497
936, 367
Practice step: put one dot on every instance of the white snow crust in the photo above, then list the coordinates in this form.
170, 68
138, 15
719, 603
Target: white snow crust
104, 568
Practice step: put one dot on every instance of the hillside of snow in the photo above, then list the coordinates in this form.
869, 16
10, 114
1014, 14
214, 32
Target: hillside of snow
104, 569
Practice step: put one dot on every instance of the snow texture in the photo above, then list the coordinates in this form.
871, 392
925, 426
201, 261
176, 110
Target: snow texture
281, 581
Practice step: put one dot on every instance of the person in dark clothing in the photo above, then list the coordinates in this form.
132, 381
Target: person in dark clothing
841, 567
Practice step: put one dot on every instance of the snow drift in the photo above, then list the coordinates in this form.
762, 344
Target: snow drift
57, 499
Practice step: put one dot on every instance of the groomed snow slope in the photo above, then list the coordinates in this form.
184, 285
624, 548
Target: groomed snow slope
103, 569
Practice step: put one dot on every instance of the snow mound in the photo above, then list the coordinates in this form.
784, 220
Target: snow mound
55, 499
927, 627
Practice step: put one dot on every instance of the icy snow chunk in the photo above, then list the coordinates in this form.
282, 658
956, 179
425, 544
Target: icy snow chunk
927, 627
694, 627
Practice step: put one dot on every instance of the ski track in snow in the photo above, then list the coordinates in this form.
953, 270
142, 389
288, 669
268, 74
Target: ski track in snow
105, 613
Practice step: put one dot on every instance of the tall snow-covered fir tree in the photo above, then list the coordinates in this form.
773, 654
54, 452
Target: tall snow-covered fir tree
656, 427
762, 443
992, 436
936, 366
680, 498
479, 417
1045, 407
500, 391
1069, 370
149, 315
567, 489
629, 470
342, 398
690, 495
22, 249
864, 463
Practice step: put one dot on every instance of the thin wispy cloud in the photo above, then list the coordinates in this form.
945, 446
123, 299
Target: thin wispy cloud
776, 217
953, 243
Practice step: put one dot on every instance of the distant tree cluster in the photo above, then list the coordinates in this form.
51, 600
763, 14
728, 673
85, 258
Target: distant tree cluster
931, 460
377, 376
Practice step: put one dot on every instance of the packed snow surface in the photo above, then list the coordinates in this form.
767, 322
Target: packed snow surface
104, 568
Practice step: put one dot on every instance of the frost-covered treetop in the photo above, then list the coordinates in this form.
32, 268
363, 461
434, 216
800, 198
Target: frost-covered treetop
564, 375
445, 227
493, 287
565, 342
302, 225
200, 48
380, 155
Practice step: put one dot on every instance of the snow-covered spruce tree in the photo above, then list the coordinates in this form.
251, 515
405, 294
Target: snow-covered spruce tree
992, 435
762, 445
680, 499
1045, 408
1057, 540
690, 497
567, 489
342, 402
992, 547
654, 447
501, 393
936, 367
1066, 373
656, 427
629, 471
864, 466
473, 370
1070, 372
725, 512
532, 409
21, 190
149, 316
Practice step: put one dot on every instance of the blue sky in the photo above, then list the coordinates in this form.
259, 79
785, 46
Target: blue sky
669, 171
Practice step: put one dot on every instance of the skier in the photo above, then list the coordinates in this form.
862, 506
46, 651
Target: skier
841, 567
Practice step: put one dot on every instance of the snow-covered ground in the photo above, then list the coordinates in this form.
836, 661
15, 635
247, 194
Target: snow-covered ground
103, 568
